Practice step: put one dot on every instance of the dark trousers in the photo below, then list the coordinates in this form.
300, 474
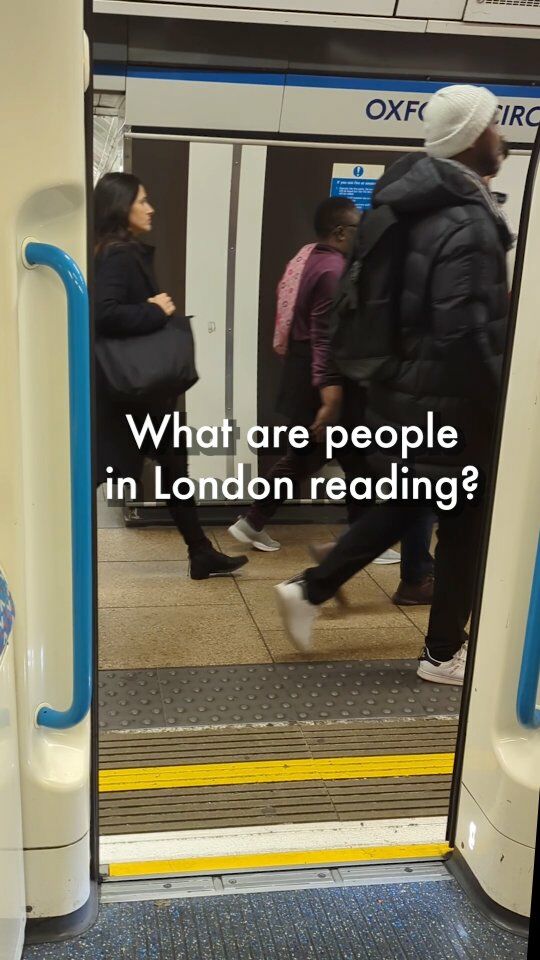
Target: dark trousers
416, 560
117, 447
456, 560
174, 464
298, 465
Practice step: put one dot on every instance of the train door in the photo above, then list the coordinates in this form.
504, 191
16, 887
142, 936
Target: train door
498, 773
45, 470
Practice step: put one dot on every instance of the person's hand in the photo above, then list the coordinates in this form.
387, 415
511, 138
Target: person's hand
164, 301
327, 415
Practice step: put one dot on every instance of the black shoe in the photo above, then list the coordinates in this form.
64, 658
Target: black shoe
210, 563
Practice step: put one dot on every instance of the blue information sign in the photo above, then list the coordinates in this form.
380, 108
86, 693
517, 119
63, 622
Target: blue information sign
355, 181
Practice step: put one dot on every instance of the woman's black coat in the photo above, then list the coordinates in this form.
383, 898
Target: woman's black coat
124, 280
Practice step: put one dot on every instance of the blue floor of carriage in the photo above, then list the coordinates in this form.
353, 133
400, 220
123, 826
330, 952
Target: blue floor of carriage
416, 921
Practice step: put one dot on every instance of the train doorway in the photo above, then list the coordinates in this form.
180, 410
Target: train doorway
216, 735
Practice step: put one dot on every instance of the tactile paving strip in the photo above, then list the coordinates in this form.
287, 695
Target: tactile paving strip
129, 699
269, 693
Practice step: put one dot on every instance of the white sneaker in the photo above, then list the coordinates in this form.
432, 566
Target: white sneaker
448, 671
389, 556
245, 533
297, 613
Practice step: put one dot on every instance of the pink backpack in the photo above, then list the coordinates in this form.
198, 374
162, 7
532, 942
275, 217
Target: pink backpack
287, 292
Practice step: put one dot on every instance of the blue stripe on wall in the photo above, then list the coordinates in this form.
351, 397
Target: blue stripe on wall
399, 86
300, 80
206, 76
360, 83
109, 69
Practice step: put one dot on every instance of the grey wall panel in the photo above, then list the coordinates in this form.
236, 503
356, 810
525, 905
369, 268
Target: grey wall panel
434, 9
246, 301
192, 43
110, 38
427, 56
375, 8
199, 104
207, 271
525, 12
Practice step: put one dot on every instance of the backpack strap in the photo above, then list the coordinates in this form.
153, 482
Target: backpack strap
363, 321
373, 225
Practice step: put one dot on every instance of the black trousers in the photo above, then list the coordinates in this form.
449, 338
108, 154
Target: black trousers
456, 561
117, 448
174, 464
298, 465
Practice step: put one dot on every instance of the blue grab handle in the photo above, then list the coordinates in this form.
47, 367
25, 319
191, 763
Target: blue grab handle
527, 710
44, 254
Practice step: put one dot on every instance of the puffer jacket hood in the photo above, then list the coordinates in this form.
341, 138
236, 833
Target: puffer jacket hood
418, 185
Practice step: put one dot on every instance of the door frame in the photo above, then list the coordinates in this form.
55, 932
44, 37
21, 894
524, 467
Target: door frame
391, 146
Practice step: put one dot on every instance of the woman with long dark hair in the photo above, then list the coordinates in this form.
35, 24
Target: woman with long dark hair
128, 304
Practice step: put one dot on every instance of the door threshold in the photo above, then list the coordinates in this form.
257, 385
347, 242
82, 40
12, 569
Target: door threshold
237, 850
270, 881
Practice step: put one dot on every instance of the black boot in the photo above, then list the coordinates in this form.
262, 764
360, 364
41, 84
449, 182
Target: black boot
210, 563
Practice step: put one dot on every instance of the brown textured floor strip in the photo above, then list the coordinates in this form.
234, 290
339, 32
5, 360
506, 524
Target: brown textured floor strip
289, 802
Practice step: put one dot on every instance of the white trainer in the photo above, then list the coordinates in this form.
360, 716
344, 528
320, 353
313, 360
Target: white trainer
445, 671
245, 533
389, 556
297, 613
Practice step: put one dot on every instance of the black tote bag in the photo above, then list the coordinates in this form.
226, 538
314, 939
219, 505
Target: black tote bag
155, 365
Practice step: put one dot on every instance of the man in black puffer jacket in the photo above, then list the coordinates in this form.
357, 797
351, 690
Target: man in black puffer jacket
453, 303
453, 308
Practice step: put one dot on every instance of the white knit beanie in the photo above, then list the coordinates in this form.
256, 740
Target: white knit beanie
455, 117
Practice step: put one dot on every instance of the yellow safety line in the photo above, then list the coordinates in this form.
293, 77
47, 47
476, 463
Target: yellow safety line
274, 771
418, 851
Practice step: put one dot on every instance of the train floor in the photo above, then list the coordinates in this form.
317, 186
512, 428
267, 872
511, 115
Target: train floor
430, 920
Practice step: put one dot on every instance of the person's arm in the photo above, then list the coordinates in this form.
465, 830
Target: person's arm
324, 373
460, 315
329, 411
115, 316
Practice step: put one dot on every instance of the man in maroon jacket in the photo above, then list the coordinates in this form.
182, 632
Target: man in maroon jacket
313, 394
